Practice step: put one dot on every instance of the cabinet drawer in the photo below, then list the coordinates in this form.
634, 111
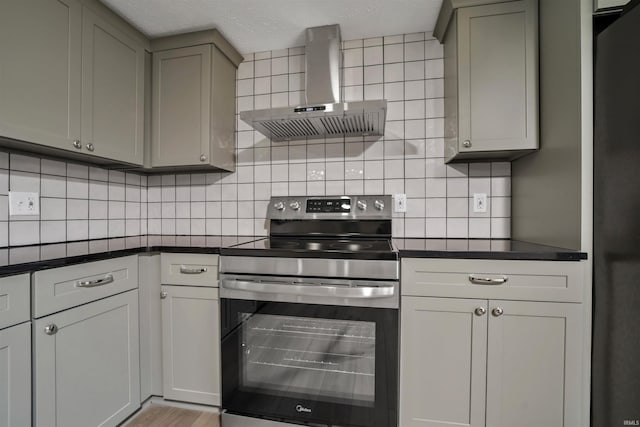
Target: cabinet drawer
14, 300
189, 269
65, 287
561, 281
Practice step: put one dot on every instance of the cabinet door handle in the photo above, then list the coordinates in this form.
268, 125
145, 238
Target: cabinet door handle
163, 295
93, 283
480, 311
497, 312
487, 280
51, 329
466, 143
77, 144
186, 270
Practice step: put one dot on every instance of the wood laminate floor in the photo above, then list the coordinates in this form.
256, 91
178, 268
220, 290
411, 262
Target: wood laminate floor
168, 416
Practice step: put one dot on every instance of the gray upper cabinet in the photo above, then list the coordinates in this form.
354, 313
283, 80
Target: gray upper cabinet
491, 78
112, 91
40, 71
193, 102
72, 79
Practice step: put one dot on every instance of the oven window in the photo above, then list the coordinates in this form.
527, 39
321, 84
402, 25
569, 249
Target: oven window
324, 359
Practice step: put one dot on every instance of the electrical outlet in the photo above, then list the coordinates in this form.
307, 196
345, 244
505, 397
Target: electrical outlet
24, 203
479, 202
400, 203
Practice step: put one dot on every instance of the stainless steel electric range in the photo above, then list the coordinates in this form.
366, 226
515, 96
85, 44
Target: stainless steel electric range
310, 317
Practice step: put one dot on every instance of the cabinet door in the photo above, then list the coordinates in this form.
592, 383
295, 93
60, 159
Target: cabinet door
498, 74
15, 376
40, 70
112, 91
87, 372
534, 365
443, 362
181, 106
191, 344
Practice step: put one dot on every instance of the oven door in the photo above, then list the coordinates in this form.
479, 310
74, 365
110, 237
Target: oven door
310, 363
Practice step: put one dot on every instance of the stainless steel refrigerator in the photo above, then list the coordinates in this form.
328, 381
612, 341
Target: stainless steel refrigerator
615, 392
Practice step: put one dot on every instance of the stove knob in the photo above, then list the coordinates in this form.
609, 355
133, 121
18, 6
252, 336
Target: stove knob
362, 205
295, 206
279, 206
379, 205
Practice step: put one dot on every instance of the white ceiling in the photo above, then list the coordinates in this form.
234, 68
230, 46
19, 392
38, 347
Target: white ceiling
259, 25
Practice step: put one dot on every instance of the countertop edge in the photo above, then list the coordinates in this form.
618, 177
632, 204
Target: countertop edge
20, 268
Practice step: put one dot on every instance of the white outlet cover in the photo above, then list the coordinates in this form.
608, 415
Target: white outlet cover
21, 203
400, 203
479, 202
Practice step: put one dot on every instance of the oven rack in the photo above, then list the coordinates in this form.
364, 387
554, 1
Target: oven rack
325, 353
310, 368
320, 334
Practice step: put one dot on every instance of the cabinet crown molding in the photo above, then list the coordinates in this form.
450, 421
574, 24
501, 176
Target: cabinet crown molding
447, 10
198, 38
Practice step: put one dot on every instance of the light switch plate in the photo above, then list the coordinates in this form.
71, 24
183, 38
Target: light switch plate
479, 202
400, 203
21, 203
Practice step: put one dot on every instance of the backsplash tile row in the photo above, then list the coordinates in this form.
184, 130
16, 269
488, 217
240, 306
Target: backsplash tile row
77, 202
85, 202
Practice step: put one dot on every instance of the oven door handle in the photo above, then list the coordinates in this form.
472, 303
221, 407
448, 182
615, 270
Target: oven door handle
323, 290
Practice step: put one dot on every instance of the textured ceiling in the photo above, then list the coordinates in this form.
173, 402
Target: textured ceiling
259, 25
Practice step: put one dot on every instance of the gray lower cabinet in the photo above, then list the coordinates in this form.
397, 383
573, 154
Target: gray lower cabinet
191, 344
491, 78
15, 375
443, 362
491, 363
86, 364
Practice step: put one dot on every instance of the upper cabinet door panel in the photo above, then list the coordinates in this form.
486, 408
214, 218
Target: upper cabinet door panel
497, 69
40, 69
181, 106
112, 91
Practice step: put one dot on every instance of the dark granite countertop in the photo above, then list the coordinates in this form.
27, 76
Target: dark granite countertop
483, 249
22, 259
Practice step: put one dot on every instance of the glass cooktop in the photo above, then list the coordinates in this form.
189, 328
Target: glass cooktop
319, 247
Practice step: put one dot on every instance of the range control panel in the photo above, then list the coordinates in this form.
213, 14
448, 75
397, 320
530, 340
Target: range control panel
338, 207
328, 205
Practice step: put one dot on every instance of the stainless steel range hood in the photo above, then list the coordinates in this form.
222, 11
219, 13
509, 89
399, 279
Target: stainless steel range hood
323, 115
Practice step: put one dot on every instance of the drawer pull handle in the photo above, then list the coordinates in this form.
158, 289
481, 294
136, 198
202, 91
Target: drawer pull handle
488, 280
93, 283
186, 270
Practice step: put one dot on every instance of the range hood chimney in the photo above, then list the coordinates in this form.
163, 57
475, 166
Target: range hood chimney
323, 115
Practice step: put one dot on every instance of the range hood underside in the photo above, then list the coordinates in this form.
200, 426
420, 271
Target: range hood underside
362, 118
